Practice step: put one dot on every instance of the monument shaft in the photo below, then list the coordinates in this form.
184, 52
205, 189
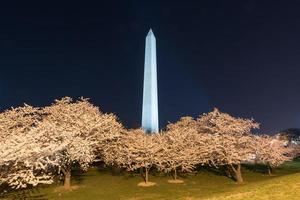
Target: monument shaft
150, 101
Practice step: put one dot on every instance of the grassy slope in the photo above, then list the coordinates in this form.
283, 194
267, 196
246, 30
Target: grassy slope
285, 187
205, 185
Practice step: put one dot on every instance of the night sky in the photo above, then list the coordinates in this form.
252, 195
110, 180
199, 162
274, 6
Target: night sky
242, 57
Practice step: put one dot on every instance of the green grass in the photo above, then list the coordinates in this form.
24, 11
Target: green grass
102, 185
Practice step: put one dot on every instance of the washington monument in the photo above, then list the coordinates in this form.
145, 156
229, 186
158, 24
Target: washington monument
150, 102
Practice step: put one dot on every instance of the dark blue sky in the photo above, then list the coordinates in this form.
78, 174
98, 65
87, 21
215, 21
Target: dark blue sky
239, 56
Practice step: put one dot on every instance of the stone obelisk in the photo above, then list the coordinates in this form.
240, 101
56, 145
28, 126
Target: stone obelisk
150, 102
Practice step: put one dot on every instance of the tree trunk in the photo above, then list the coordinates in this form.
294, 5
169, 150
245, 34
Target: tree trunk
269, 170
146, 174
239, 177
255, 165
237, 173
142, 174
175, 173
67, 181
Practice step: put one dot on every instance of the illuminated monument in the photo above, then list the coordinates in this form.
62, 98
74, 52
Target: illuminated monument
150, 102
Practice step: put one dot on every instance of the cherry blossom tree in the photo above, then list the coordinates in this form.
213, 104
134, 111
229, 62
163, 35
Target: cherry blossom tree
45, 140
232, 141
183, 148
291, 139
230, 151
134, 150
271, 151
83, 127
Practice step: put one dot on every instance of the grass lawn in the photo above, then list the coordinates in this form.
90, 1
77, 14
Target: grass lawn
102, 185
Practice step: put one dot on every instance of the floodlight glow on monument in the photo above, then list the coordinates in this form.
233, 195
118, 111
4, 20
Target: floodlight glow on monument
150, 102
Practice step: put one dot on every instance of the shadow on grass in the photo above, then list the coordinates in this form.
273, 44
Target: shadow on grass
24, 194
39, 192
77, 176
259, 168
220, 171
